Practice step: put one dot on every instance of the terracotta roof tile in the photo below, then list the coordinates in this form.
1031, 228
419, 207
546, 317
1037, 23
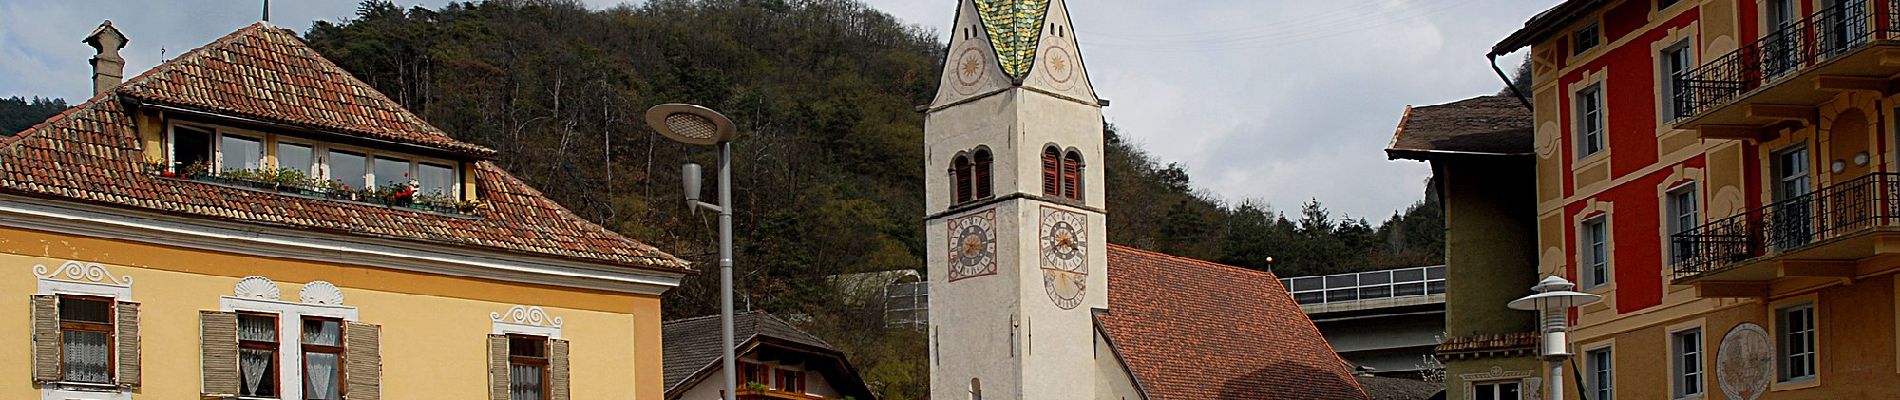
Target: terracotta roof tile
1481, 346
1497, 125
266, 73
90, 153
1192, 329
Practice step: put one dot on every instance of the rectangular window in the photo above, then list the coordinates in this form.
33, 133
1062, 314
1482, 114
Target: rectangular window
1589, 121
1675, 66
391, 171
296, 157
85, 328
257, 355
790, 381
1495, 391
190, 146
1602, 380
438, 180
322, 353
349, 168
239, 152
1596, 252
1683, 216
1794, 333
1791, 173
527, 367
1686, 351
1585, 38
1663, 4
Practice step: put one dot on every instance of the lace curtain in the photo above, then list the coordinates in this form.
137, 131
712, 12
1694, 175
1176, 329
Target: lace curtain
255, 367
323, 376
86, 357
524, 382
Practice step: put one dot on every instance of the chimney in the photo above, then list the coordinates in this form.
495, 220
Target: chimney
108, 69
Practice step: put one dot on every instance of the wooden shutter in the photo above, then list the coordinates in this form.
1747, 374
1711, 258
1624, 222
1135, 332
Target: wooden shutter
218, 353
45, 338
498, 367
128, 340
983, 184
557, 369
363, 357
1051, 162
1072, 176
961, 174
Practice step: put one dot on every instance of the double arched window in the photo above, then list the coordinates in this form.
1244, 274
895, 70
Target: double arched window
970, 173
1061, 173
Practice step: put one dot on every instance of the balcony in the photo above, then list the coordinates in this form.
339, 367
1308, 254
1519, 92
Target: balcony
1781, 77
1823, 234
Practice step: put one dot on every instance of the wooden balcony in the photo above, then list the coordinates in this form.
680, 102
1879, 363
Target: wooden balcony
1836, 232
1782, 77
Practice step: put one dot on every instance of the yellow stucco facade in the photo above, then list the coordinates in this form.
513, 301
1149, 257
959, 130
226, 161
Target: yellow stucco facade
434, 326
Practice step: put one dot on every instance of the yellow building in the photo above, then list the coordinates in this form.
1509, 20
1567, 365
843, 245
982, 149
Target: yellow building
247, 219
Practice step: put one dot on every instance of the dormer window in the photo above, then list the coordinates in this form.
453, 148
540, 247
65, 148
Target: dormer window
292, 164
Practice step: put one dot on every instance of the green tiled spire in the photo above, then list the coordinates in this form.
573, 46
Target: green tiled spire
1014, 27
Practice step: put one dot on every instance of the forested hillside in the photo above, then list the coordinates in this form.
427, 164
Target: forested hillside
18, 113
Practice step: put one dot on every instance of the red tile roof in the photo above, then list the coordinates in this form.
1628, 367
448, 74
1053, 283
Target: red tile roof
91, 153
266, 73
1192, 329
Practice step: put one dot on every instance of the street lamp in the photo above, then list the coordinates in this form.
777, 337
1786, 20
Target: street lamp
1555, 299
695, 125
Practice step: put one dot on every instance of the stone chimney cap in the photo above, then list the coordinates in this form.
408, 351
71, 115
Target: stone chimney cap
98, 36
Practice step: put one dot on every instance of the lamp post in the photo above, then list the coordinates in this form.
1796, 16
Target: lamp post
1554, 299
695, 125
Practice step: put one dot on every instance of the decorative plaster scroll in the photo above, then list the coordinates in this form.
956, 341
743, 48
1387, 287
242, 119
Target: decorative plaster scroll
526, 315
257, 287
82, 272
1495, 374
321, 292
523, 319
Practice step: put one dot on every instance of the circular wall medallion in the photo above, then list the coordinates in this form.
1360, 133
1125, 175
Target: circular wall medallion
970, 68
1064, 260
972, 245
1745, 364
1061, 65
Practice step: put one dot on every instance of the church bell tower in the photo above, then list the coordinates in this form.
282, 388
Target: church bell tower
1014, 208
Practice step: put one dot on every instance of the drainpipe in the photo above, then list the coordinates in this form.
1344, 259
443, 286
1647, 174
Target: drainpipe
1507, 80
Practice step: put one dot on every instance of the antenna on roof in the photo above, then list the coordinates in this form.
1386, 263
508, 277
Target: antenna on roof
266, 10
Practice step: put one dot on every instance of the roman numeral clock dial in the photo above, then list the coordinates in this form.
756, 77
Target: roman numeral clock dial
1064, 243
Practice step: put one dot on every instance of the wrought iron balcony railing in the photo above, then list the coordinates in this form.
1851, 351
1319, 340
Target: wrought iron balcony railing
1826, 34
1834, 211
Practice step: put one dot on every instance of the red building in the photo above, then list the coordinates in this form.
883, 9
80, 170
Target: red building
1722, 172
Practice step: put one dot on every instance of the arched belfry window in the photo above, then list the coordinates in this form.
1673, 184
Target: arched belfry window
1072, 175
1051, 172
984, 189
962, 171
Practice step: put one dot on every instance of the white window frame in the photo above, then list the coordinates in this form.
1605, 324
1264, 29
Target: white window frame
1679, 364
1811, 334
320, 155
1666, 81
1680, 220
1495, 388
1596, 371
1588, 117
1587, 246
263, 147
316, 154
75, 278
289, 332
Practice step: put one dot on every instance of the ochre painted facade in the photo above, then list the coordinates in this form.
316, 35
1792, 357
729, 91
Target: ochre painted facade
434, 327
1725, 153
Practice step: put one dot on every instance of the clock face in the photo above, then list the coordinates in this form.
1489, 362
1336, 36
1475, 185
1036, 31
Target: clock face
973, 245
969, 67
1064, 245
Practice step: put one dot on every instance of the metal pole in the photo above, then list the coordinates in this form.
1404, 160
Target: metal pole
725, 270
1556, 383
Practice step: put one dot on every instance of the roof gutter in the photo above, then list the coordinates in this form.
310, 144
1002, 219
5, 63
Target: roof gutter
1507, 81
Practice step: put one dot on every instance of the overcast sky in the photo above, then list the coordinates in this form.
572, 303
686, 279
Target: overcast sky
1279, 100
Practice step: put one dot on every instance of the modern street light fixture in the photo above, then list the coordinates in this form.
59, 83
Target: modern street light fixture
695, 125
1554, 299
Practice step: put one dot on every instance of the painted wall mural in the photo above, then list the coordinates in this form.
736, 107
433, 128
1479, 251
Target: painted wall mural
1745, 364
1064, 244
973, 245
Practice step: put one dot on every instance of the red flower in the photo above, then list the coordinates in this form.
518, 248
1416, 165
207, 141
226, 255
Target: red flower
168, 174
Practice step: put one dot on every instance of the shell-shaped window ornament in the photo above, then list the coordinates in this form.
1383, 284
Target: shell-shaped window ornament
258, 287
321, 292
